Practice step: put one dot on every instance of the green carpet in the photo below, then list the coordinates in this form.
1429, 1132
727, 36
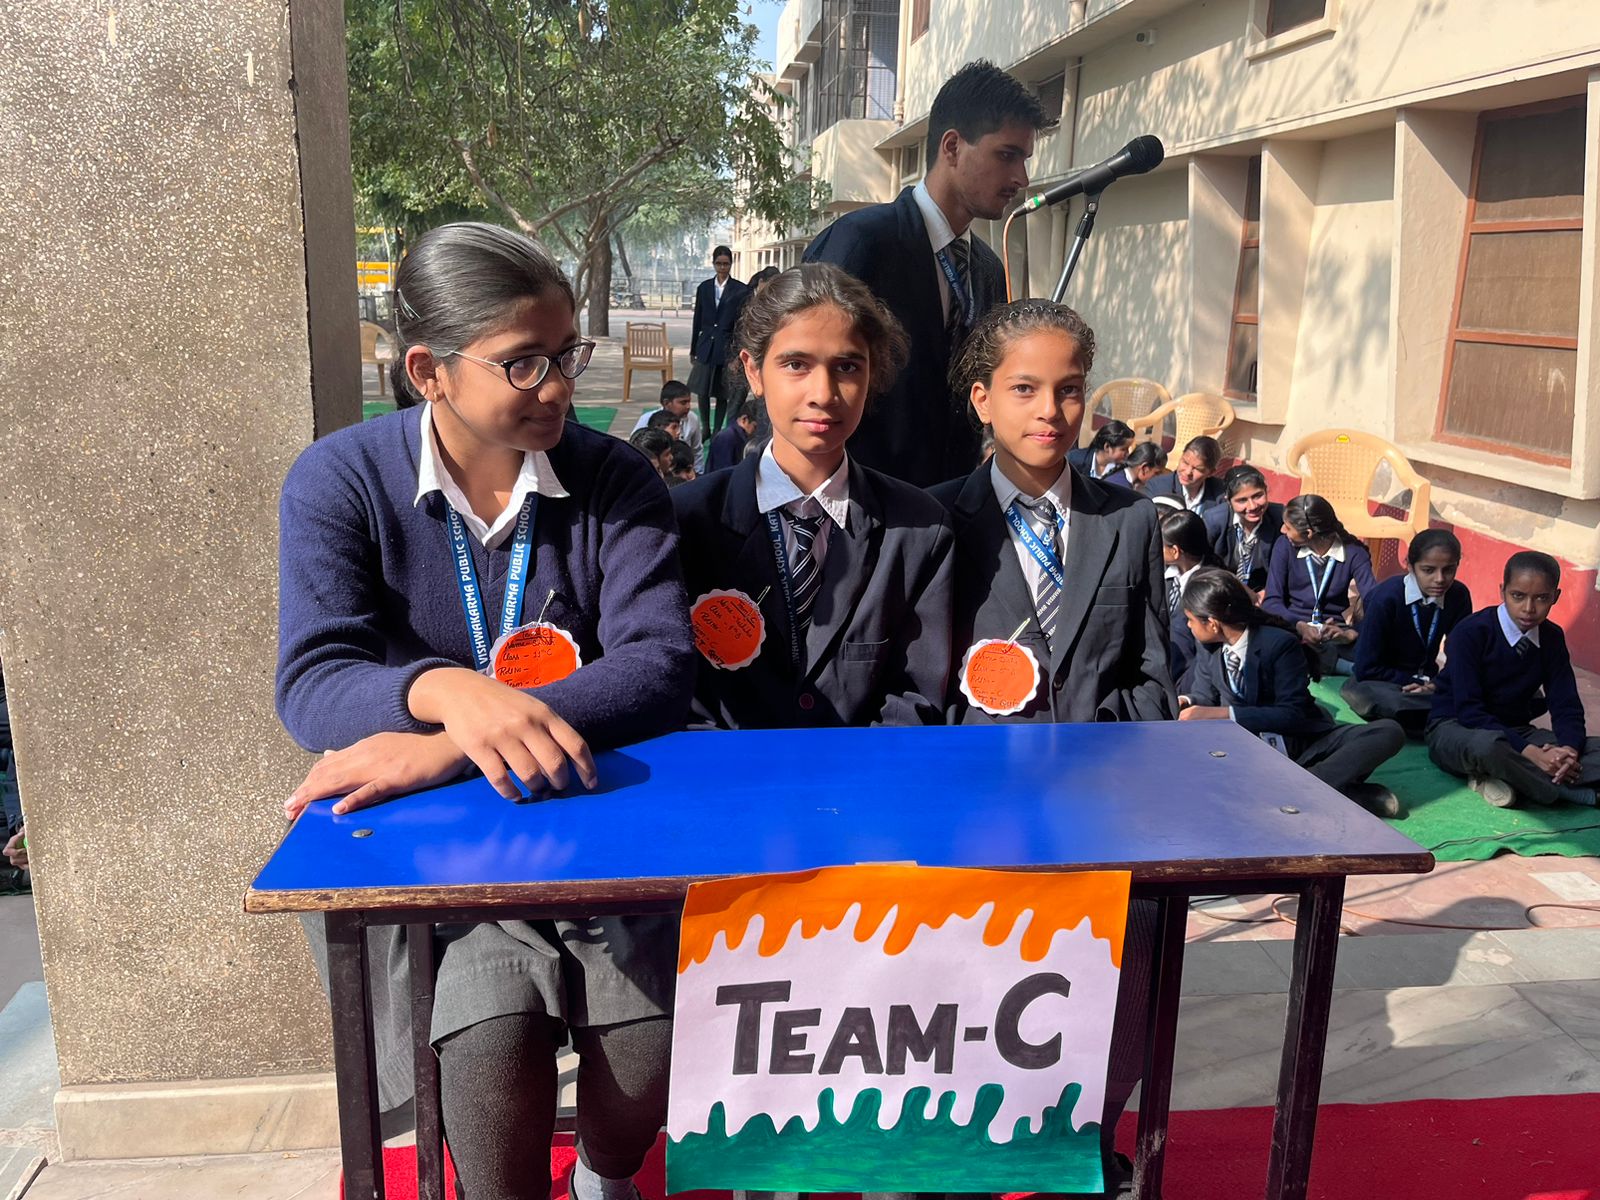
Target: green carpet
1448, 818
375, 408
594, 416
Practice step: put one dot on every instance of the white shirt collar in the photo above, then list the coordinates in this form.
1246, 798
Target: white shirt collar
536, 475
940, 234
1513, 635
1241, 648
1335, 552
1059, 492
1414, 593
774, 489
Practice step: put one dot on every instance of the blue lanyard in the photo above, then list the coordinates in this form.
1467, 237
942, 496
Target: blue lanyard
1318, 586
781, 557
467, 577
1433, 625
958, 290
1042, 554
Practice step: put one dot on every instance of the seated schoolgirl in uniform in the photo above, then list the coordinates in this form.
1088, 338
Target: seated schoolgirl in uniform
1068, 570
411, 547
1145, 463
1185, 550
1106, 453
1244, 531
1192, 482
848, 569
1405, 622
1258, 678
1309, 577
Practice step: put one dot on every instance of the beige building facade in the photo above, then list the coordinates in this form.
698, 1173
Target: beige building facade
1373, 214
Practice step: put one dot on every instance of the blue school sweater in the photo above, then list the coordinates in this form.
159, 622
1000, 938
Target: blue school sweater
1289, 592
1487, 685
1389, 648
368, 598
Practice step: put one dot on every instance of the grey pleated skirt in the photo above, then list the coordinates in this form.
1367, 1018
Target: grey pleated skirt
599, 971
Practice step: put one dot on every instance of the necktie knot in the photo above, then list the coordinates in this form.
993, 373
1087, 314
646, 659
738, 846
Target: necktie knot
1234, 663
1046, 511
1525, 646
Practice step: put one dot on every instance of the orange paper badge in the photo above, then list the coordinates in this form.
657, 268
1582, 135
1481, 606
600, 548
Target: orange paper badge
728, 628
999, 677
535, 655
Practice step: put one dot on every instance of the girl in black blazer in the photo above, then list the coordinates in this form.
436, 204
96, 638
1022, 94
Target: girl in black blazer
1191, 483
1244, 530
1259, 679
819, 588
1059, 575
1185, 550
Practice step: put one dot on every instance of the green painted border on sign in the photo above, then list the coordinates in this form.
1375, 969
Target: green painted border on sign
918, 1154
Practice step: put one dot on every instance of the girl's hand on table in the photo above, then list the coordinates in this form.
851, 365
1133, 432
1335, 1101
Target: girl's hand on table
377, 768
504, 731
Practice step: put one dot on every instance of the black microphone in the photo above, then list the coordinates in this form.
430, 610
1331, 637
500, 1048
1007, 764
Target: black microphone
1138, 156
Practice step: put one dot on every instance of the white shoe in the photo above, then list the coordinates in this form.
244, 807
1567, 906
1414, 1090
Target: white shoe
1496, 791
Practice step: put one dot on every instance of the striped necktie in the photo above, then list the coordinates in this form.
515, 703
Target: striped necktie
1247, 551
805, 573
1174, 595
955, 325
1525, 646
1047, 597
1235, 665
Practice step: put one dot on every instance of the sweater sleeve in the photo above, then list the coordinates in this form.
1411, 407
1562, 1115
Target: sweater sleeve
639, 686
1276, 599
1375, 639
1561, 690
916, 683
1469, 680
335, 685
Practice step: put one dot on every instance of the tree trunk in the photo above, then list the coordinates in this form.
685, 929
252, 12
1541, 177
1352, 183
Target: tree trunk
600, 290
627, 268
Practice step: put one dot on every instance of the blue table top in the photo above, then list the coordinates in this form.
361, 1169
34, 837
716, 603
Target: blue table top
1180, 801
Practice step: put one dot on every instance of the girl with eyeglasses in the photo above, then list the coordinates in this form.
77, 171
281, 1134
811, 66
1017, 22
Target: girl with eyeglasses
416, 550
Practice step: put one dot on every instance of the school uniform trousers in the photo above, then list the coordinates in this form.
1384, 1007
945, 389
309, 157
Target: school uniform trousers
1228, 545
1487, 697
368, 602
1107, 662
1213, 496
877, 649
1273, 696
1391, 652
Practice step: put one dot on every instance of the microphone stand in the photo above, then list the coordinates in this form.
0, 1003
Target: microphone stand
1091, 207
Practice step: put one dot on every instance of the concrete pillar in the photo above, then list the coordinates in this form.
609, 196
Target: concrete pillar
177, 319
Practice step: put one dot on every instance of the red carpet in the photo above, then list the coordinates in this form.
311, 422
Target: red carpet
1514, 1148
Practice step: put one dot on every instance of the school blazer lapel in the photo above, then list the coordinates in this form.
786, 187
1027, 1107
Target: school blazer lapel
1090, 544
847, 568
749, 549
992, 555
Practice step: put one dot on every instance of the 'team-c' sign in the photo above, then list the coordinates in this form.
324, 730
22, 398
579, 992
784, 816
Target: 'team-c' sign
895, 1029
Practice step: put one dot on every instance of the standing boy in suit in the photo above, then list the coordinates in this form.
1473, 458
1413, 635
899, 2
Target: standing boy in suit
919, 257
717, 302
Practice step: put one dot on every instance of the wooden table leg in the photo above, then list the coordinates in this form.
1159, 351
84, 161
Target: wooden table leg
355, 1064
1155, 1094
425, 1065
1305, 1037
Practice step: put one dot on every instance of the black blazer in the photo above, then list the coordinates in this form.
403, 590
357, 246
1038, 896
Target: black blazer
1213, 495
916, 431
877, 651
1219, 529
711, 334
1109, 660
1182, 648
1082, 460
1275, 694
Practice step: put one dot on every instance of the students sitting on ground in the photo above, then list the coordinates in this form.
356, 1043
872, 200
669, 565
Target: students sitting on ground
1485, 699
1405, 623
1244, 531
1258, 678
656, 445
667, 422
1184, 550
1145, 462
682, 464
679, 401
1112, 444
727, 447
1191, 480
1308, 580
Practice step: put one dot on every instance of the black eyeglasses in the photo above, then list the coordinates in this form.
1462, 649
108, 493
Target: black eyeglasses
527, 371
